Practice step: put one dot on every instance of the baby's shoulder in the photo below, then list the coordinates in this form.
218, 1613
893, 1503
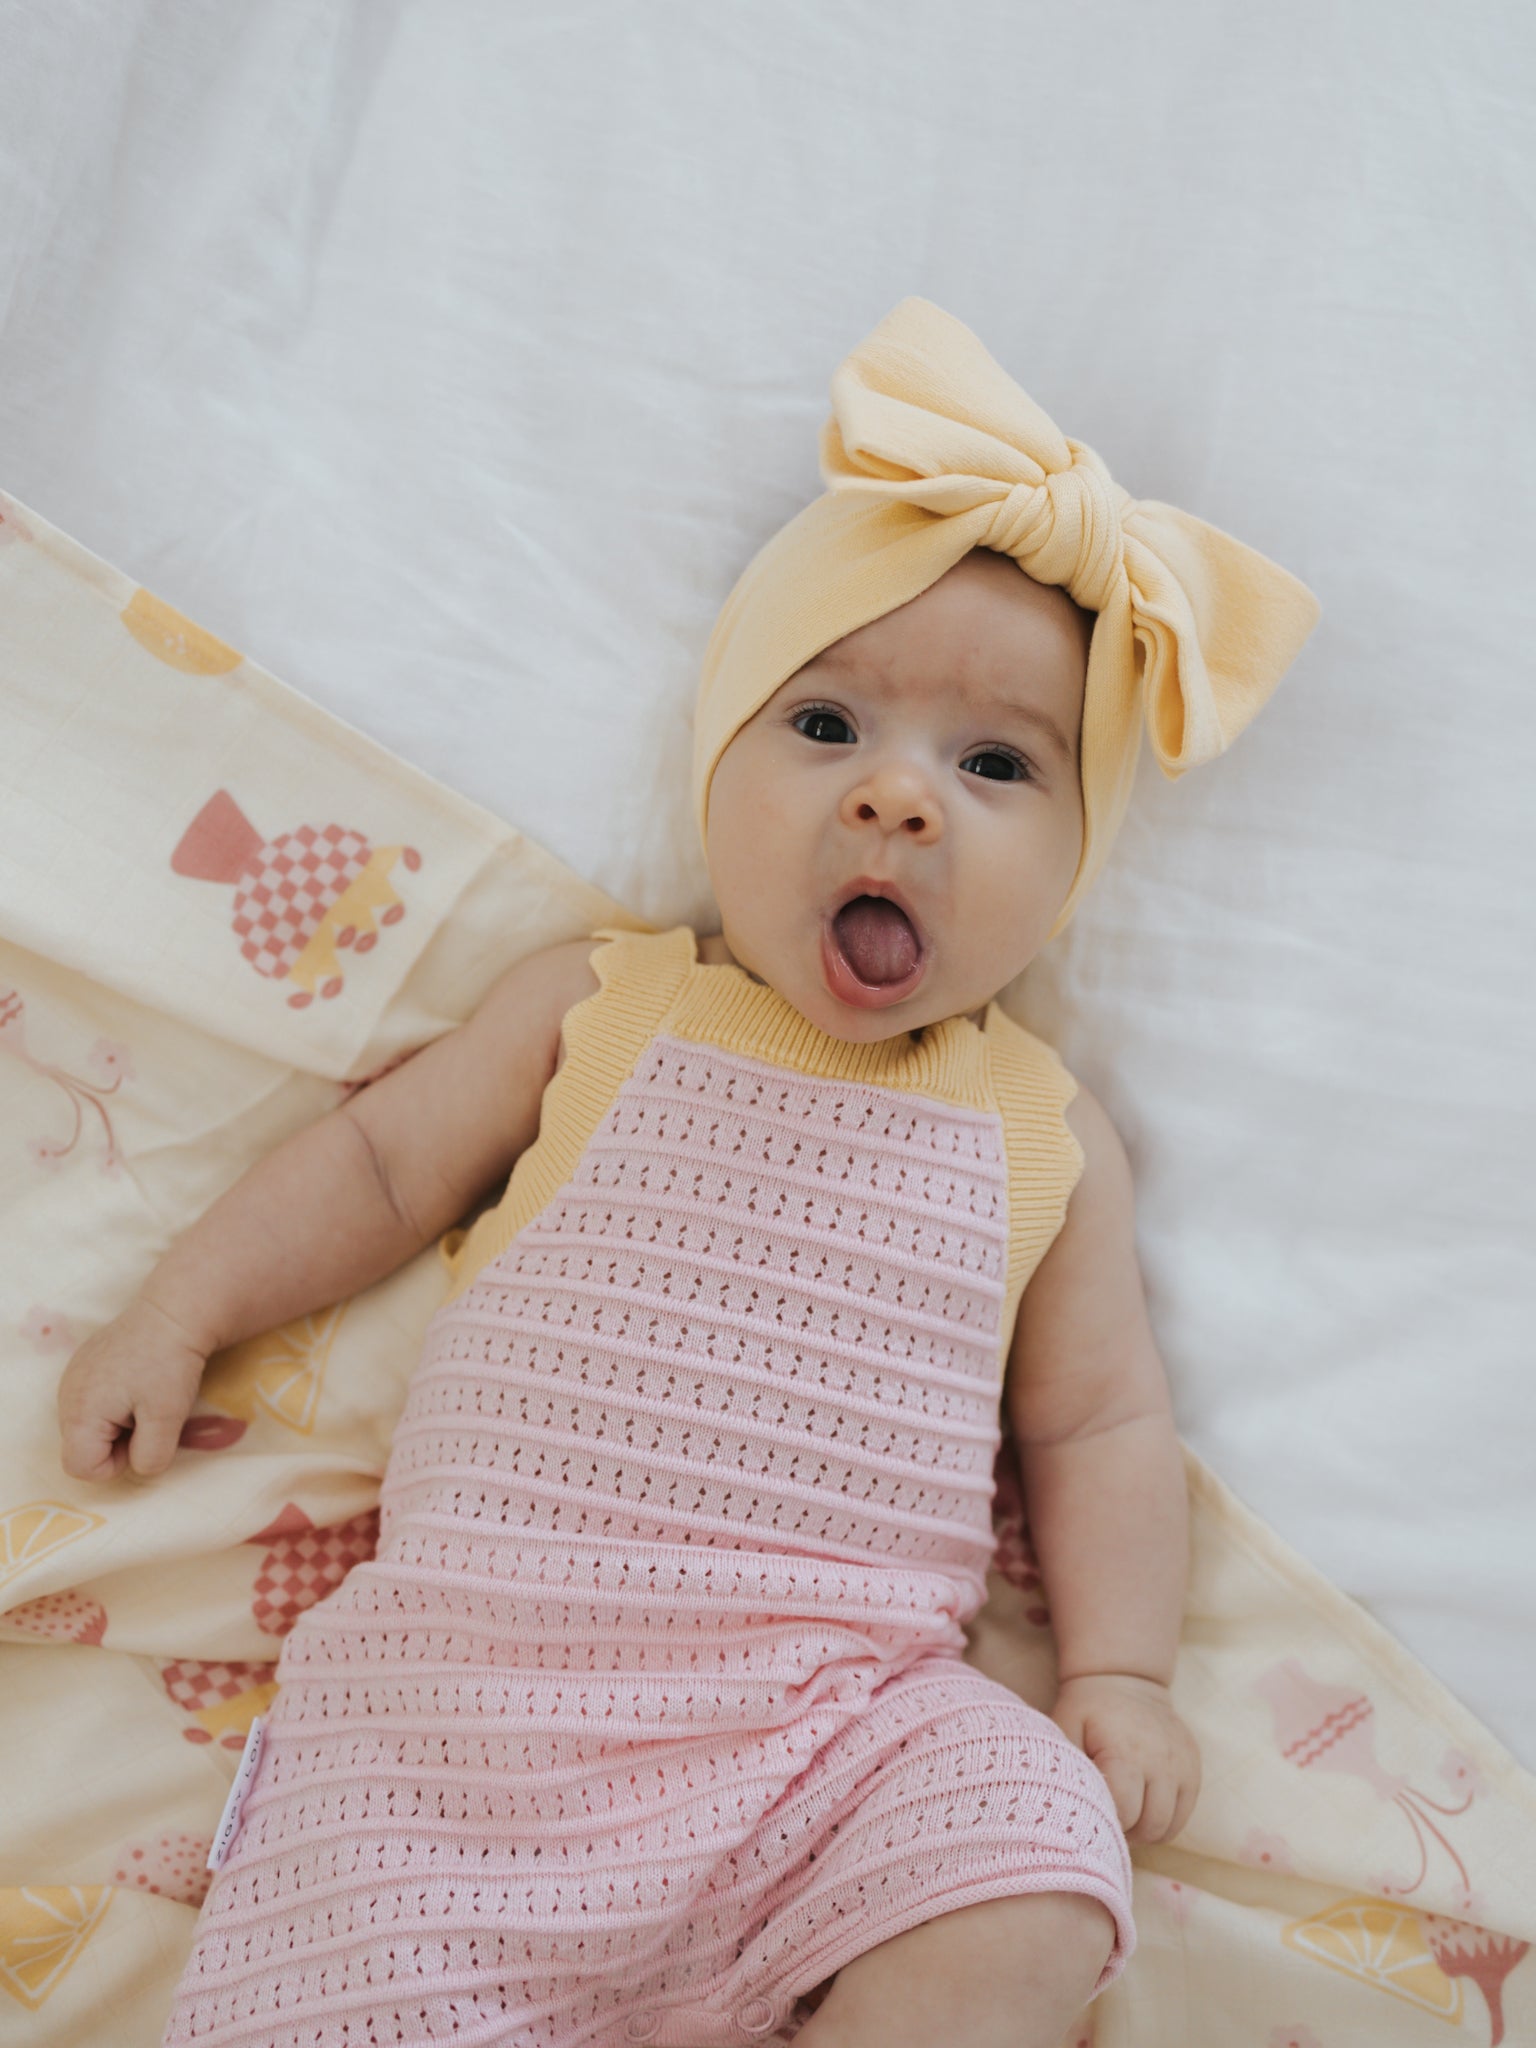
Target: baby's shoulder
521, 1015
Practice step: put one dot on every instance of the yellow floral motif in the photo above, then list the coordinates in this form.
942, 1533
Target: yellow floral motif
1382, 1944
278, 1373
29, 1533
170, 638
43, 1928
368, 891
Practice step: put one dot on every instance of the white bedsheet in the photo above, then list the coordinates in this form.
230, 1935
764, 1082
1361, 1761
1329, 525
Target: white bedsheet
451, 359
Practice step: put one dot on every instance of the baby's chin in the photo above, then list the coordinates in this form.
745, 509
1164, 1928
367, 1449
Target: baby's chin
834, 1001
799, 972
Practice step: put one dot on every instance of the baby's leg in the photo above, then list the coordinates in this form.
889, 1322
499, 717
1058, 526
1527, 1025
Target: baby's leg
1010, 1973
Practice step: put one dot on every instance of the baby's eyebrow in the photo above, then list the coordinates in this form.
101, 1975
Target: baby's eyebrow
1043, 722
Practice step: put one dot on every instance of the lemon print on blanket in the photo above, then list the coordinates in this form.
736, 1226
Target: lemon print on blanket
1384, 1945
279, 1373
163, 632
28, 1534
43, 1928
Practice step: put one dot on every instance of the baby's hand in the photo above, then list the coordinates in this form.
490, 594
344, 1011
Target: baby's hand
126, 1393
1127, 1726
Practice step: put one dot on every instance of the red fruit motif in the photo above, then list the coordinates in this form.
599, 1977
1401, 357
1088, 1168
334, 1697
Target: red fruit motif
68, 1617
210, 1432
300, 897
1332, 1728
173, 1867
1465, 1951
302, 1564
221, 1699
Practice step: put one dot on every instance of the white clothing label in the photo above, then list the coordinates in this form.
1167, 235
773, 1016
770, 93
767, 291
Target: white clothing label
229, 1819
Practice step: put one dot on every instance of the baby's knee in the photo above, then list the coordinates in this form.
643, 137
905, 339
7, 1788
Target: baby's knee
1067, 1937
1012, 1970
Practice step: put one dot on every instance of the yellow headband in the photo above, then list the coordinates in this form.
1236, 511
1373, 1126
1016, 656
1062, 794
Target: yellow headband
933, 450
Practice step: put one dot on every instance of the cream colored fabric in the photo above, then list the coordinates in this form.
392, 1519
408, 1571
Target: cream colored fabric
146, 1059
933, 450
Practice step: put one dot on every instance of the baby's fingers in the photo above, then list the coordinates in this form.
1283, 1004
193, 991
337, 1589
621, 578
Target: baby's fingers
1127, 1783
1157, 1809
92, 1446
1189, 1792
1184, 1806
106, 1430
156, 1433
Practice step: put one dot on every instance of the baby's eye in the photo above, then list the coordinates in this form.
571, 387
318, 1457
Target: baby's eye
818, 723
996, 765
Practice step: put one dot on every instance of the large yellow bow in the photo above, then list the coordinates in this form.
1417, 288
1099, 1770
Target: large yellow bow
933, 450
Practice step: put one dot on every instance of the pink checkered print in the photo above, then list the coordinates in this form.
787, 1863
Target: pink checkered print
197, 1686
299, 1570
286, 888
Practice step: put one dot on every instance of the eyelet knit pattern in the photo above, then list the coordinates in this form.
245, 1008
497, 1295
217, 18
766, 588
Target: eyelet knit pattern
649, 1713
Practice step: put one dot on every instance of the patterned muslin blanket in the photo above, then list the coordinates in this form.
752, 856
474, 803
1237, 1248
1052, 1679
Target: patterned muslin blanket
221, 909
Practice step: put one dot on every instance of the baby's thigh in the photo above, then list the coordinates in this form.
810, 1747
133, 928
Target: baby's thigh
1007, 1973
943, 1793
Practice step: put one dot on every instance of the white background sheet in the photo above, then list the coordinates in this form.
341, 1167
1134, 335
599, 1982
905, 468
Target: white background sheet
451, 359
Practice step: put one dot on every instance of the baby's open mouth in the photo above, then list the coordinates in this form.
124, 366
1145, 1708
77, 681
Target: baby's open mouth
877, 939
872, 952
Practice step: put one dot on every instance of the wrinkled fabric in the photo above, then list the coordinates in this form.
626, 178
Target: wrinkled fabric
140, 1623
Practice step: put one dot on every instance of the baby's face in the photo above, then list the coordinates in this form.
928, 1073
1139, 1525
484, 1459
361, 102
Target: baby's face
927, 762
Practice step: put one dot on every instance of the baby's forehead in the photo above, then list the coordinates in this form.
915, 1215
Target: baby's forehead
960, 671
984, 635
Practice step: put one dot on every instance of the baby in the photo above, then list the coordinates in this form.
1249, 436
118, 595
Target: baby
649, 1721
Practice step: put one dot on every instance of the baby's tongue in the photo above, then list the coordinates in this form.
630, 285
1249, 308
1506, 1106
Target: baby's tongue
877, 939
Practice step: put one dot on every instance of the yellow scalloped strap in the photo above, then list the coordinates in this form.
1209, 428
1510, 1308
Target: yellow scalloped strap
638, 977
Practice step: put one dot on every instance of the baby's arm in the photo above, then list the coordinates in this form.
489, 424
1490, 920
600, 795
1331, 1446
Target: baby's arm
1105, 1492
330, 1211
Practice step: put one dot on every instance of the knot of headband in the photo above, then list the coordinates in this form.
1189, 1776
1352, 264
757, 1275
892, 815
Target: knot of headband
945, 428
933, 450
1066, 528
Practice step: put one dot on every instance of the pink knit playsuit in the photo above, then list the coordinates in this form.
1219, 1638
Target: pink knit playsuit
650, 1712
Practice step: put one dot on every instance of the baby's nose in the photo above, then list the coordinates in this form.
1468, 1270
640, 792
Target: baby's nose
897, 799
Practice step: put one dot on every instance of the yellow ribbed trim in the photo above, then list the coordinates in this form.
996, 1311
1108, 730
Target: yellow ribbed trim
725, 1006
650, 982
1031, 1089
638, 975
